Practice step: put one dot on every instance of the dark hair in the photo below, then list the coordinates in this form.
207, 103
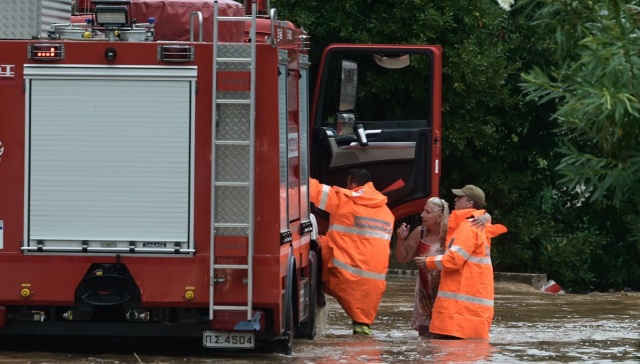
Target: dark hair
359, 176
477, 205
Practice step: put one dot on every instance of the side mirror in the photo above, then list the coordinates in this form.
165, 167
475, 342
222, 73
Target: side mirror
348, 85
345, 124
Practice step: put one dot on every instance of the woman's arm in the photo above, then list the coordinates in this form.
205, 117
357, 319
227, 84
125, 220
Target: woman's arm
406, 244
481, 221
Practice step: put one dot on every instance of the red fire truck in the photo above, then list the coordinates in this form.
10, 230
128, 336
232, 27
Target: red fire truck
155, 157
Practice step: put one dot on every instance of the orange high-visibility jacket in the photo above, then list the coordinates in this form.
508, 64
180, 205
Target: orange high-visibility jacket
355, 250
464, 304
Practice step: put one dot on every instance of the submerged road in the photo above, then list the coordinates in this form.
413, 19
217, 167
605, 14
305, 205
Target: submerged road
529, 326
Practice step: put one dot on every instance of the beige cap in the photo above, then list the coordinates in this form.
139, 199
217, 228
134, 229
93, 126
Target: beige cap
472, 191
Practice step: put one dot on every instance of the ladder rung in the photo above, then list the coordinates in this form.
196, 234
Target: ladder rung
235, 60
230, 266
232, 142
233, 18
231, 224
232, 101
232, 184
230, 308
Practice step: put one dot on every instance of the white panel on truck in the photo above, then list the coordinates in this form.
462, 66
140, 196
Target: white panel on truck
25, 19
109, 158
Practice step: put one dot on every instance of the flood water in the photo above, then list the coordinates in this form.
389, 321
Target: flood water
529, 326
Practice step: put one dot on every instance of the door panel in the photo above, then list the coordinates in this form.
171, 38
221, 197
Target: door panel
397, 106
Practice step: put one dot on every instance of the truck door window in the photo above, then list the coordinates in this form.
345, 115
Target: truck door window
388, 93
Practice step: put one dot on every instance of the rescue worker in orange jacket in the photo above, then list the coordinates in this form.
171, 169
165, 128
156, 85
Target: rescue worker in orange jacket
464, 304
355, 250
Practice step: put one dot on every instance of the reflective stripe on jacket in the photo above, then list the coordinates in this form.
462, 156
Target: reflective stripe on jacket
355, 250
464, 305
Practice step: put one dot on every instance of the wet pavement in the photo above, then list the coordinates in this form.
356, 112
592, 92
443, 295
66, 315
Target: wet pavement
529, 326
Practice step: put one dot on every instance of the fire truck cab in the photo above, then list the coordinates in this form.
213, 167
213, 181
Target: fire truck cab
155, 158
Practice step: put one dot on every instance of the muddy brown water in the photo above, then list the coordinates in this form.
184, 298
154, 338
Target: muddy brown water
529, 326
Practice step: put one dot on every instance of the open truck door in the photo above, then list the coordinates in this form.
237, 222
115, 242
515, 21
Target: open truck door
378, 107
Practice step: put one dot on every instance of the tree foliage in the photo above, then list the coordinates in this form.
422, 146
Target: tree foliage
592, 82
595, 88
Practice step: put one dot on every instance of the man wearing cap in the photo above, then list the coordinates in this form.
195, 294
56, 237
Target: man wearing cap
468, 196
464, 304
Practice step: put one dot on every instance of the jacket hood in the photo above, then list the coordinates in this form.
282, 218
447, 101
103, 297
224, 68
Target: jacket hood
366, 195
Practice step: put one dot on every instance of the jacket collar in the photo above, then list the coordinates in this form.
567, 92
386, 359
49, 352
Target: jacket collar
458, 216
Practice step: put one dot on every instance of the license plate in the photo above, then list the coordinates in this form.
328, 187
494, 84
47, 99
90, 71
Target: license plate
228, 339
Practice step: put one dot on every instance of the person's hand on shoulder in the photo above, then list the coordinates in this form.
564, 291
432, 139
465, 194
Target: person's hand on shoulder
480, 221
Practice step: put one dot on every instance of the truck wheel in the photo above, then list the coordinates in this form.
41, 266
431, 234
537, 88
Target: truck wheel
307, 329
286, 342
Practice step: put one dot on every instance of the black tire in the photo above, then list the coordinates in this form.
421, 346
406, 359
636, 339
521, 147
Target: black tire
308, 329
285, 343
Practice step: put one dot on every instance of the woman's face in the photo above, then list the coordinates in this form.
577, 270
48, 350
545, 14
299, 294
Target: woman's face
431, 215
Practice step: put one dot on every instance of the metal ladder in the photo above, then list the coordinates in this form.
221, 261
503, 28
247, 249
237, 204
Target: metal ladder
232, 155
